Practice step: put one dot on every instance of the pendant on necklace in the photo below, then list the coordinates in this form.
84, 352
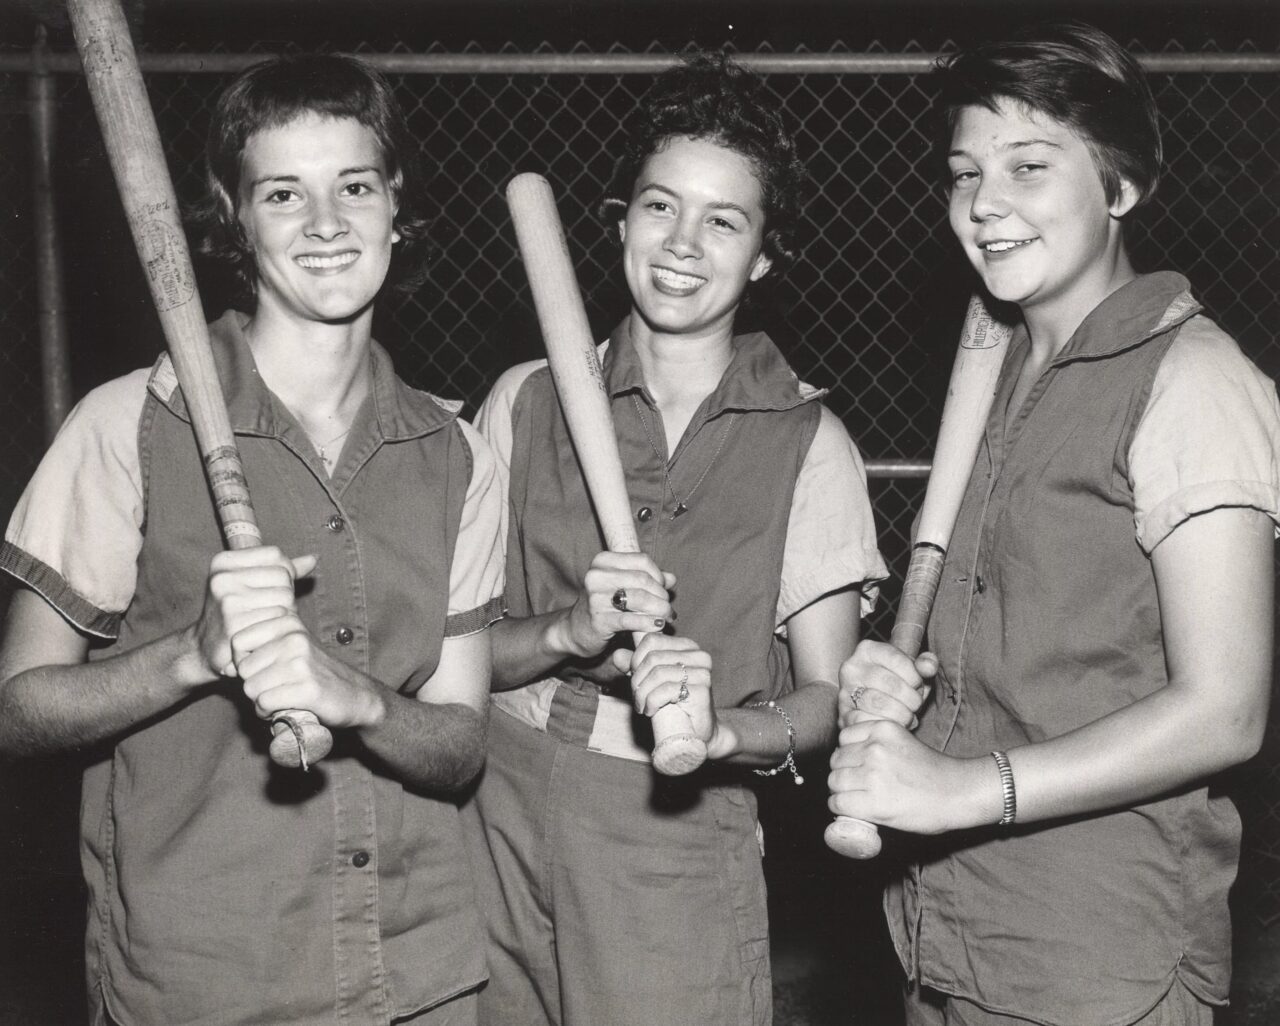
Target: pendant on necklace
680, 510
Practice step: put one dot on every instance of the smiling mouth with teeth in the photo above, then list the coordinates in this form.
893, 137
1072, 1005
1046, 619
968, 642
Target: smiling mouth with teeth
323, 263
1004, 245
676, 280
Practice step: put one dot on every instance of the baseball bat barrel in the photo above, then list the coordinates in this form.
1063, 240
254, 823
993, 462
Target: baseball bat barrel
575, 367
151, 207
983, 346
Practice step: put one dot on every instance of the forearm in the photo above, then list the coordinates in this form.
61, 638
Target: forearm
435, 747
821, 636
1157, 745
526, 648
57, 707
758, 736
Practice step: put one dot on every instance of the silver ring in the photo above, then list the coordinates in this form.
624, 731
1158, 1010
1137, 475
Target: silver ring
857, 695
684, 683
619, 600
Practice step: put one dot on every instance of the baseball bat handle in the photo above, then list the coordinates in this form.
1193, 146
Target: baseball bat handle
924, 574
146, 191
571, 354
984, 342
856, 838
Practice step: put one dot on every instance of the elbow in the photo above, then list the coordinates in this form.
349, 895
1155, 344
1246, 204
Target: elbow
468, 755
466, 770
1243, 736
1249, 742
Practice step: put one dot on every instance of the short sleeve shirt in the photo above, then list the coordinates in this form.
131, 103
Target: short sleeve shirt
81, 516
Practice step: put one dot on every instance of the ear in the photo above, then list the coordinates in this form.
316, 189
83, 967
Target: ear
622, 230
761, 267
1126, 200
395, 236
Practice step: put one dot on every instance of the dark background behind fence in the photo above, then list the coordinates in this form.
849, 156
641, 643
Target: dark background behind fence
871, 311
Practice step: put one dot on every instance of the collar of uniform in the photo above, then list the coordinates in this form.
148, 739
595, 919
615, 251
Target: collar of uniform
1148, 306
401, 412
758, 376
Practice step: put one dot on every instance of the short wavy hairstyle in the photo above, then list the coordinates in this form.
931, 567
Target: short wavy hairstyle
1075, 74
273, 94
708, 96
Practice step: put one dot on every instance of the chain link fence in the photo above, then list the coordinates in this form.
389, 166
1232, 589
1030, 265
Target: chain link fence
871, 310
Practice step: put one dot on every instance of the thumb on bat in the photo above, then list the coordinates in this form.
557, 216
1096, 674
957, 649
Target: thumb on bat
304, 565
927, 665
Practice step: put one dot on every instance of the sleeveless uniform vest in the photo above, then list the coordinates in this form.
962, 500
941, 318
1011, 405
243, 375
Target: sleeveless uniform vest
222, 888
1046, 619
735, 470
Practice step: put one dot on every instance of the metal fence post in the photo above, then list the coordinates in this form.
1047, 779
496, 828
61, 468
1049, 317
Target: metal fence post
54, 348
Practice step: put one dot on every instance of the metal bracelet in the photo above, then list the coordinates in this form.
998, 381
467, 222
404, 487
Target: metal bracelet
1006, 788
788, 763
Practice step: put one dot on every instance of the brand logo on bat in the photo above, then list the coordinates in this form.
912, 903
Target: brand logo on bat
985, 333
172, 280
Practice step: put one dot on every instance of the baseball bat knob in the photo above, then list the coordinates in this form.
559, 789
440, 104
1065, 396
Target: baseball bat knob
299, 740
677, 750
679, 754
852, 838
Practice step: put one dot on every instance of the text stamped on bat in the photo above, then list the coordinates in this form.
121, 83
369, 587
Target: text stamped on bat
172, 280
987, 333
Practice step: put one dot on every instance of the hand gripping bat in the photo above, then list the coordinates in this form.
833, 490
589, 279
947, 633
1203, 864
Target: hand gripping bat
983, 344
133, 147
571, 353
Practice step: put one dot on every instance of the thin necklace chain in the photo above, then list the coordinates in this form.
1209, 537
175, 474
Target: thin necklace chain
322, 446
681, 506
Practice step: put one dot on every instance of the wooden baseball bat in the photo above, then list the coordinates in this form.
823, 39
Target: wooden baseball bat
575, 366
133, 148
983, 345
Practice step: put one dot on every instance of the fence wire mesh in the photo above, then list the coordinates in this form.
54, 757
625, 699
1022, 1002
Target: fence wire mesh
870, 310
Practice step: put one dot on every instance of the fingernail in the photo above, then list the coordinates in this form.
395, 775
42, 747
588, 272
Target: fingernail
659, 623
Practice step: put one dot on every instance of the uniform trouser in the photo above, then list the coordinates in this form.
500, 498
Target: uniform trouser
926, 1007
615, 896
457, 1011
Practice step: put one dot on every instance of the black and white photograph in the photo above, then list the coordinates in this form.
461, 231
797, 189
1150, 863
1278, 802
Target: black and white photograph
639, 513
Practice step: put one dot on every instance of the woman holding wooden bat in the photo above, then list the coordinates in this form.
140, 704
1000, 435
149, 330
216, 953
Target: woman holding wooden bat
1103, 630
222, 890
616, 895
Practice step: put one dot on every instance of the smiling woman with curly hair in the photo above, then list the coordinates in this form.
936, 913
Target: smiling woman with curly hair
614, 895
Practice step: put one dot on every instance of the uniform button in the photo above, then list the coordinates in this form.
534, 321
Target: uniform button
344, 635
979, 585
644, 514
360, 859
335, 523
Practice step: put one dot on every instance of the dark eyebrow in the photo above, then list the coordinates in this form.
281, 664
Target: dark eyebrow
364, 169
272, 178
1019, 145
717, 205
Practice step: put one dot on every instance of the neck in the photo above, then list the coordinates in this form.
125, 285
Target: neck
680, 370
319, 371
1051, 324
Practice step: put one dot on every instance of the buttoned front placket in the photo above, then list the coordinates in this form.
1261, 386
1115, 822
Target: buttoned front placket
335, 608
357, 933
999, 437
642, 442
